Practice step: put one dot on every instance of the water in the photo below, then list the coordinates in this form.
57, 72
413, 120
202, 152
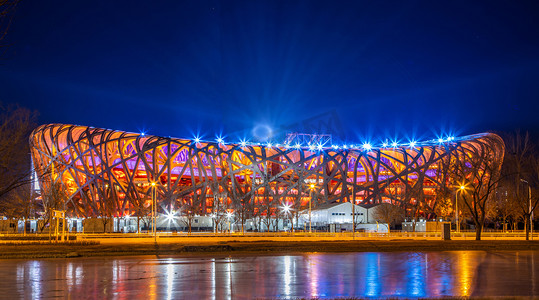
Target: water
399, 274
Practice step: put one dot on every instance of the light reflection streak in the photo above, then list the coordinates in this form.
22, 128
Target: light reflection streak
313, 271
372, 279
35, 278
229, 278
152, 293
287, 275
170, 279
69, 277
465, 273
213, 274
416, 278
532, 277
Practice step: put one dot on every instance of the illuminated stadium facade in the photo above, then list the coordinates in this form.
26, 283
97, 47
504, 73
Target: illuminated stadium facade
113, 173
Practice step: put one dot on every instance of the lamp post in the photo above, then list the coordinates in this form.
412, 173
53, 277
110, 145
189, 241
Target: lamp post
229, 216
529, 207
154, 212
312, 186
457, 206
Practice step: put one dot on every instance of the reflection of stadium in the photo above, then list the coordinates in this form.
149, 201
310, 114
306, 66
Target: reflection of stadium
110, 173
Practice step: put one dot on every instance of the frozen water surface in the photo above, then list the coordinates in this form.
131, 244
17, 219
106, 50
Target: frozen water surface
322, 275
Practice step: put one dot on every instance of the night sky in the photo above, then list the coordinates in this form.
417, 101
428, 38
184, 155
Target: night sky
360, 70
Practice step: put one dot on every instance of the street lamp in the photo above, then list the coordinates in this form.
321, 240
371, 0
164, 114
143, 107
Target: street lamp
530, 206
154, 212
462, 188
311, 187
286, 210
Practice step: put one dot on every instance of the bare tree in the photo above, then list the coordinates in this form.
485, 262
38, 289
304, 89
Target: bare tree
478, 169
7, 11
106, 205
190, 208
388, 213
520, 170
18, 204
16, 124
53, 199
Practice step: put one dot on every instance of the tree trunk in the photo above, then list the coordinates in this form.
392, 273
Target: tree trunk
527, 227
478, 229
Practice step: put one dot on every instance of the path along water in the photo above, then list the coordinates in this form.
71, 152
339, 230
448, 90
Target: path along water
322, 275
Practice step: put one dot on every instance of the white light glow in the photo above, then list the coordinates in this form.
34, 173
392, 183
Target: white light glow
286, 208
367, 146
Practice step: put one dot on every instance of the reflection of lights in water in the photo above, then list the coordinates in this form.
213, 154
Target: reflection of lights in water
465, 273
416, 275
229, 279
445, 278
287, 275
35, 278
532, 277
152, 293
313, 271
213, 278
69, 276
170, 278
372, 279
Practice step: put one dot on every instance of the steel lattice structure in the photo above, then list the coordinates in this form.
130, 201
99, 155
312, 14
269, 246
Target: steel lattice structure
110, 172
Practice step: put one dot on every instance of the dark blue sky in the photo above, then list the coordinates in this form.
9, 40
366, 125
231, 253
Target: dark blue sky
373, 69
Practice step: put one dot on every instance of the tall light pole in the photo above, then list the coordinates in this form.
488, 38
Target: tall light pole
312, 186
154, 212
529, 206
457, 206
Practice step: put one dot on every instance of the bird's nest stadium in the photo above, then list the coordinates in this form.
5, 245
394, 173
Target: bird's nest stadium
114, 173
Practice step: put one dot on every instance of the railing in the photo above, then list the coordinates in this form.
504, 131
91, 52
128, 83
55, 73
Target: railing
520, 234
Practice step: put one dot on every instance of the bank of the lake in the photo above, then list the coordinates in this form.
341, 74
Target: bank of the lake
13, 249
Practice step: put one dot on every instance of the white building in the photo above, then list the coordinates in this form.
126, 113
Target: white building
338, 217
